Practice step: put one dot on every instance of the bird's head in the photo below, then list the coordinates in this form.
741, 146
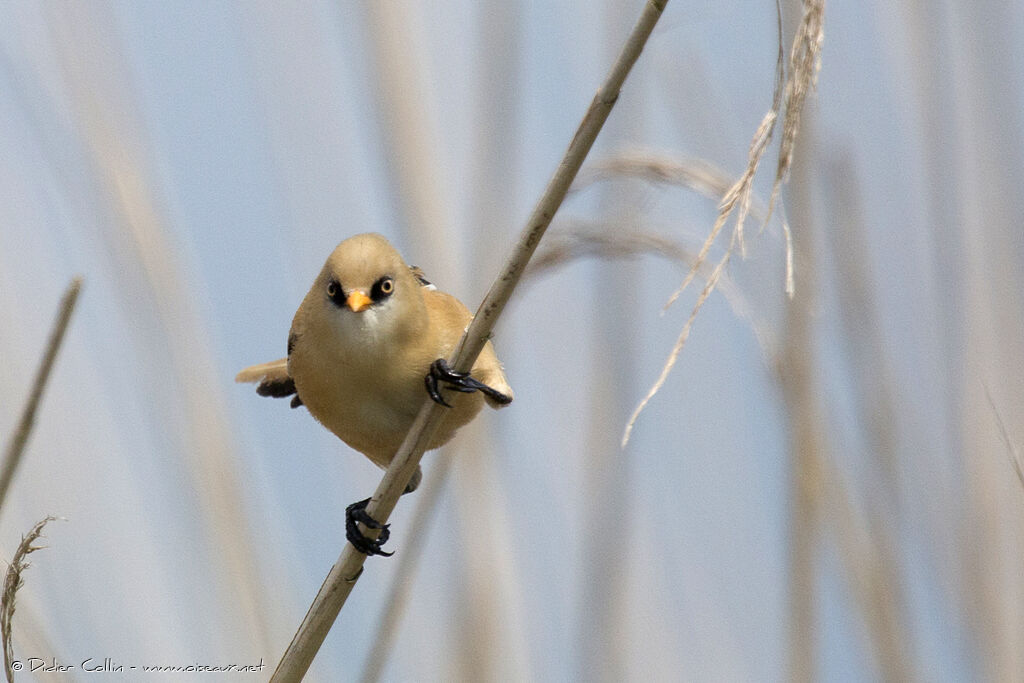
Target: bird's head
367, 293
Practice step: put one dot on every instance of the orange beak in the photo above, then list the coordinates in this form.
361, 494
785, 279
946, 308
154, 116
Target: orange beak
358, 301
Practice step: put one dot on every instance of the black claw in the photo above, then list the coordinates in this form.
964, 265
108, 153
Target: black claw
440, 371
435, 395
356, 512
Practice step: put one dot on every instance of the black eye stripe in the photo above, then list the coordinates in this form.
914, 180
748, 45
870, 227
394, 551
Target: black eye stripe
335, 293
382, 288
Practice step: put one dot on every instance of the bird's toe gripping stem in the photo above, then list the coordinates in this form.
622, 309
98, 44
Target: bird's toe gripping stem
356, 512
440, 371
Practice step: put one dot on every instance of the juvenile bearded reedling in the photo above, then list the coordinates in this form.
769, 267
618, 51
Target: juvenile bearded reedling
368, 340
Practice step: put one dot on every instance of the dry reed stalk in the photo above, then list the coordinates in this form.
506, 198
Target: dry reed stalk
963, 170
810, 452
490, 635
346, 571
409, 132
868, 547
1004, 434
866, 550
414, 151
601, 646
13, 581
16, 447
429, 495
118, 151
489, 630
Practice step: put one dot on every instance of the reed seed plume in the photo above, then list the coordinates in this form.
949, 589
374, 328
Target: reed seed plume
13, 581
804, 65
791, 93
712, 281
567, 245
698, 175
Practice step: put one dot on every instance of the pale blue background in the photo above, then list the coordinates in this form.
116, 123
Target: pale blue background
196, 162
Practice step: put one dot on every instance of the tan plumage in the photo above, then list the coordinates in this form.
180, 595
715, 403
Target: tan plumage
358, 354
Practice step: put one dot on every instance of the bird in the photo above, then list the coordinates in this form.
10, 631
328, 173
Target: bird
368, 341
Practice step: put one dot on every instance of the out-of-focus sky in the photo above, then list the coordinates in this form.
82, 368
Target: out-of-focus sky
197, 162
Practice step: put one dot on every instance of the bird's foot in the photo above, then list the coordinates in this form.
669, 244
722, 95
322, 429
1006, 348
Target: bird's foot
356, 512
440, 371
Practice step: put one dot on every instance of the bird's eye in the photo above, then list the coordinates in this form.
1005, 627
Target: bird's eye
382, 288
334, 292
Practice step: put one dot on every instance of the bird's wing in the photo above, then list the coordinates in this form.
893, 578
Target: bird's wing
417, 272
273, 380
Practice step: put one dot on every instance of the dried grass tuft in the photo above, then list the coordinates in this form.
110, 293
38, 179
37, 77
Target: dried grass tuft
13, 581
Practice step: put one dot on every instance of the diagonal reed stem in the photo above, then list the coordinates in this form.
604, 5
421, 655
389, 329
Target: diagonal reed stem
345, 572
15, 449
